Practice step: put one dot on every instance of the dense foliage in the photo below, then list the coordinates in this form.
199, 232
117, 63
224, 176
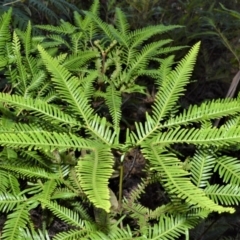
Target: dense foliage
65, 132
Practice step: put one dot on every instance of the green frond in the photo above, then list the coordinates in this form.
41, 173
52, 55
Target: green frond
143, 130
93, 172
48, 188
213, 109
87, 25
15, 222
60, 40
202, 165
4, 183
168, 227
104, 27
14, 185
36, 235
164, 70
9, 201
4, 30
63, 193
64, 28
27, 39
177, 181
166, 98
101, 129
76, 61
72, 235
142, 59
40, 109
114, 233
209, 137
121, 22
68, 86
114, 102
137, 37
22, 78
65, 214
174, 85
228, 169
225, 195
30, 172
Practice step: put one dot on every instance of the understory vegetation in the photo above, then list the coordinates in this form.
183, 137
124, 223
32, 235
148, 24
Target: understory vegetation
100, 135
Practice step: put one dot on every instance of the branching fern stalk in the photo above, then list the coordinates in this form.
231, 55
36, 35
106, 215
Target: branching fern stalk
61, 124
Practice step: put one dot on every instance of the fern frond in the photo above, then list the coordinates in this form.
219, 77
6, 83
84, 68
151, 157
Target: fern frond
14, 185
30, 172
93, 172
68, 87
39, 235
3, 181
48, 188
101, 25
225, 195
213, 109
169, 227
168, 95
141, 59
164, 70
9, 201
202, 165
15, 222
209, 137
87, 24
99, 126
137, 37
62, 29
4, 30
44, 140
114, 102
39, 108
63, 213
121, 22
177, 181
228, 169
75, 61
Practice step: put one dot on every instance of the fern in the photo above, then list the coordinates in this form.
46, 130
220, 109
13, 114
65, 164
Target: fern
63, 131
